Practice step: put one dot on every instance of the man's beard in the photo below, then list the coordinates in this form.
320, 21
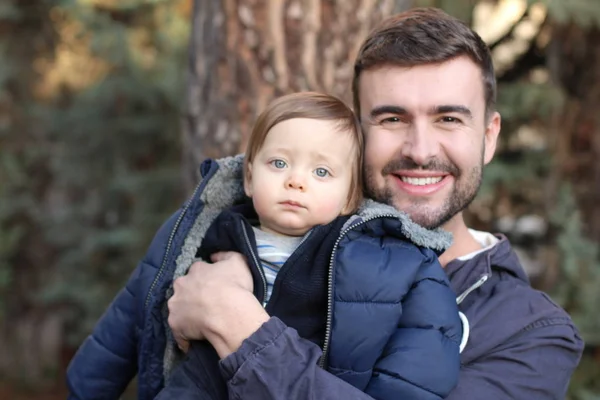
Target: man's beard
463, 193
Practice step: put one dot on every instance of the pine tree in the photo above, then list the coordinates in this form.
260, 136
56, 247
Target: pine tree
89, 149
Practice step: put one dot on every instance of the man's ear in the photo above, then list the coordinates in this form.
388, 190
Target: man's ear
491, 137
248, 179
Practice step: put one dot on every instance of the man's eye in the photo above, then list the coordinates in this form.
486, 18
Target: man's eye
279, 164
451, 120
321, 172
390, 120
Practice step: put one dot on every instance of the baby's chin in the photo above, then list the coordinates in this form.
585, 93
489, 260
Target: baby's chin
288, 229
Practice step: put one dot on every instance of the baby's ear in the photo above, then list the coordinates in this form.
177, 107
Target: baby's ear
248, 179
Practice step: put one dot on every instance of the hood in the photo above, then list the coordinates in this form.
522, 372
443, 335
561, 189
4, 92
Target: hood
438, 239
464, 275
224, 189
497, 303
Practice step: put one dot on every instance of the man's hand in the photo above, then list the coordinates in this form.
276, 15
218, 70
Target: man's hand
215, 302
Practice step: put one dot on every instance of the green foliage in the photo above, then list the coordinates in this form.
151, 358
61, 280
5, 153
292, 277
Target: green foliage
580, 267
91, 173
119, 154
584, 383
585, 13
517, 173
578, 289
461, 9
522, 102
8, 11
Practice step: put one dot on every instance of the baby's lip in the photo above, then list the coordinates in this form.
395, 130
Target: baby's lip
292, 203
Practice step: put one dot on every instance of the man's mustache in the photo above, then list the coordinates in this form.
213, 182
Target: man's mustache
406, 164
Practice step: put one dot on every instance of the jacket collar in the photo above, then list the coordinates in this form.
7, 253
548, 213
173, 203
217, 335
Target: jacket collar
467, 275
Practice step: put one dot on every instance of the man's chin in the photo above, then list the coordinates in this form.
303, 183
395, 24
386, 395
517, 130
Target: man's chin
425, 221
422, 215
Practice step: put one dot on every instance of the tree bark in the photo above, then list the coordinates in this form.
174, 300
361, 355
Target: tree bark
244, 53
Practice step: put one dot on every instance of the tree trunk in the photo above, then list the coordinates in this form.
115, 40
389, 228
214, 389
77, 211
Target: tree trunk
244, 53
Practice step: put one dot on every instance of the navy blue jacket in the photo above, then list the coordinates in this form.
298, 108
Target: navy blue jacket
520, 346
376, 281
392, 324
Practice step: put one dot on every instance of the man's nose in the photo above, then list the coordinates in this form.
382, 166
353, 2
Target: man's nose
421, 144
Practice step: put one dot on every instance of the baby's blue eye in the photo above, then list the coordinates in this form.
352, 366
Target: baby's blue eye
279, 164
321, 172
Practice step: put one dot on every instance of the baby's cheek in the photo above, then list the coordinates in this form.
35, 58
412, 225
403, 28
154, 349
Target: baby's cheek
329, 209
262, 205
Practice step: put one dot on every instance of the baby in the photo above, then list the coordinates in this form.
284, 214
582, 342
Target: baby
352, 276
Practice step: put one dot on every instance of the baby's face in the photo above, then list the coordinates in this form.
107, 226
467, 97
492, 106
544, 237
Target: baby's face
301, 176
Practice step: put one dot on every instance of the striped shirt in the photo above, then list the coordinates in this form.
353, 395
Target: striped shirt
273, 252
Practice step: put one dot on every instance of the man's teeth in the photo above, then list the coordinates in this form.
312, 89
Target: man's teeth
421, 181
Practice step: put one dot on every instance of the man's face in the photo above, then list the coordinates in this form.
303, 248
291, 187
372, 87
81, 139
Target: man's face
427, 137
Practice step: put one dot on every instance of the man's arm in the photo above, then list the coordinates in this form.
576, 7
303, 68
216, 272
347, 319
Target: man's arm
536, 364
275, 363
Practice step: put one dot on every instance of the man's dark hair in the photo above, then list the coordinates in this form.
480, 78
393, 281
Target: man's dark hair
423, 36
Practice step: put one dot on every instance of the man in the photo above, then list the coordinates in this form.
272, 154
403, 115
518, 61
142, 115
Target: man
424, 89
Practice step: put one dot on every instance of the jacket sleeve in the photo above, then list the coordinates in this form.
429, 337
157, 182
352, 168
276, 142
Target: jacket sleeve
536, 364
422, 358
107, 360
197, 377
274, 363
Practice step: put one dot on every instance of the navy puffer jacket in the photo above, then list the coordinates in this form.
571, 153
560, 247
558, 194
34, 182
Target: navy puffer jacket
393, 328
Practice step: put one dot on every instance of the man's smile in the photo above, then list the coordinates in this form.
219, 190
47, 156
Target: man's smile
421, 183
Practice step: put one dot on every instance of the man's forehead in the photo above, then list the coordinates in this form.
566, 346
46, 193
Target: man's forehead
457, 81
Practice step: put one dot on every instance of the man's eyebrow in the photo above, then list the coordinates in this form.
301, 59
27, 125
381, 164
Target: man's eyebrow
445, 109
387, 109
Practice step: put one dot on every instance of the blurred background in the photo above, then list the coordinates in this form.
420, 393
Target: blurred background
108, 106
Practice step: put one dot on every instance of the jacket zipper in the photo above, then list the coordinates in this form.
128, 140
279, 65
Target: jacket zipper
463, 317
259, 265
323, 359
256, 263
473, 287
169, 243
